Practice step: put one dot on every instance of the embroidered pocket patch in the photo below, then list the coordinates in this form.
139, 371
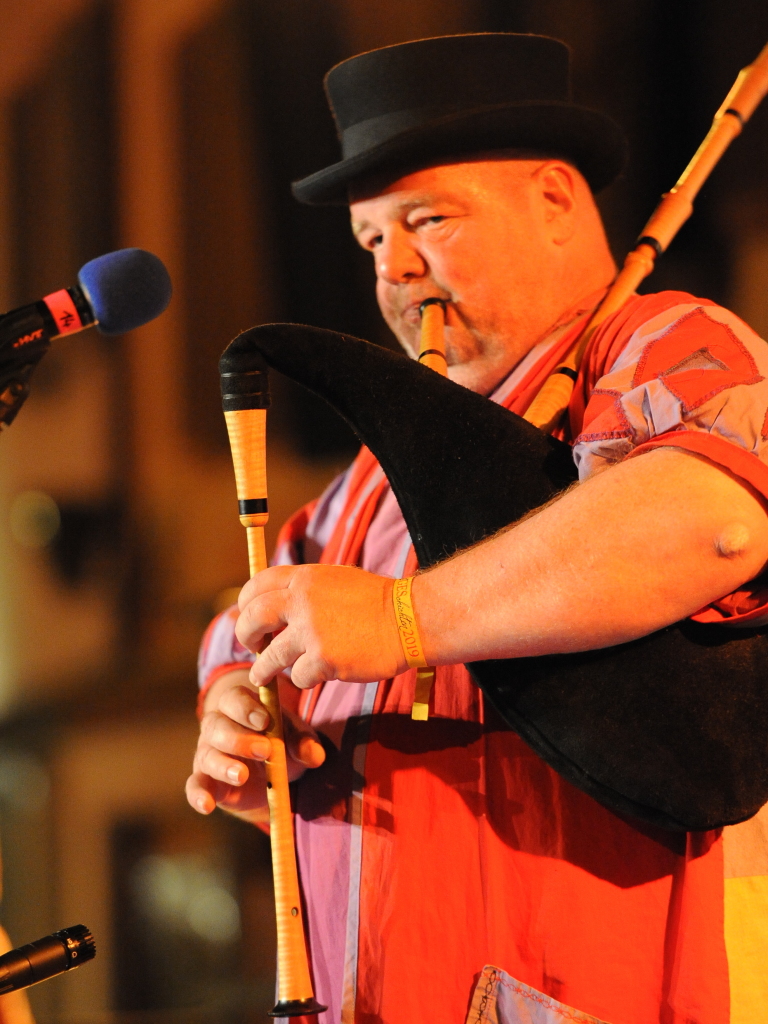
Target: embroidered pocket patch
500, 999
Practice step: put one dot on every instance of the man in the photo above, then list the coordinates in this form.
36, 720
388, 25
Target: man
449, 873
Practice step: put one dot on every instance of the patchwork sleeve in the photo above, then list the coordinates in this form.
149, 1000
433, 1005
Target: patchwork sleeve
220, 652
693, 377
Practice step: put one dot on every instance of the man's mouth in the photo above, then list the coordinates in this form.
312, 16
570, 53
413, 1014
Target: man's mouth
411, 314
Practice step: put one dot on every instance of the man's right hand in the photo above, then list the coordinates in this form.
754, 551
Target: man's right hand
228, 766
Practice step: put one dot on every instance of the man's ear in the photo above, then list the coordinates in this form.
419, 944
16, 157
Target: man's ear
556, 181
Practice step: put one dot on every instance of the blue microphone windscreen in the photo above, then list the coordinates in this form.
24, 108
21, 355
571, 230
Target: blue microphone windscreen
126, 289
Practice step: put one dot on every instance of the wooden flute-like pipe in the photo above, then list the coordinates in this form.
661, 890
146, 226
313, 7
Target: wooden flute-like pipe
246, 399
673, 211
431, 354
432, 339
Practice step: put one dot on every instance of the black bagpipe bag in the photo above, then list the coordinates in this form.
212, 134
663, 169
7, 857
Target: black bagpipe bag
672, 728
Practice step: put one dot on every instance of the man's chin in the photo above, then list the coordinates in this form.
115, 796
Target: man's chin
474, 376
470, 369
480, 371
407, 340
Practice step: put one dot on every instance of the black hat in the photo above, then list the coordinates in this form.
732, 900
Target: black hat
443, 97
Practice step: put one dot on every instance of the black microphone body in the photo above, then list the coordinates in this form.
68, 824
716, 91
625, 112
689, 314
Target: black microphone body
118, 292
25, 336
62, 312
46, 958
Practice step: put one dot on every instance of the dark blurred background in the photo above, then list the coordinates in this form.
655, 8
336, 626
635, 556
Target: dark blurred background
177, 125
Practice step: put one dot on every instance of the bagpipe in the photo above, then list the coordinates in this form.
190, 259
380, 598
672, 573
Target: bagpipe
670, 729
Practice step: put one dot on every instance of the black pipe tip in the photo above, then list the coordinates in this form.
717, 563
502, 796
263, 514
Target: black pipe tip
433, 301
296, 1007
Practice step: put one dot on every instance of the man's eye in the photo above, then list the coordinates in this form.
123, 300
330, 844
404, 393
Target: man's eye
422, 222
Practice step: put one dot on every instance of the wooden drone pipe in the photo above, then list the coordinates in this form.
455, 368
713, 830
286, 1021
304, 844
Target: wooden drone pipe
673, 211
245, 397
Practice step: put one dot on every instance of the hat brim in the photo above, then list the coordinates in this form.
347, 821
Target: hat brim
590, 140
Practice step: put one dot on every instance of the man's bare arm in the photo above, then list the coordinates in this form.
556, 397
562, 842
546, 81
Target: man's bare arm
640, 546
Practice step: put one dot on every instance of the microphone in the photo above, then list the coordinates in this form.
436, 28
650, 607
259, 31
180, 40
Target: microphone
46, 958
117, 292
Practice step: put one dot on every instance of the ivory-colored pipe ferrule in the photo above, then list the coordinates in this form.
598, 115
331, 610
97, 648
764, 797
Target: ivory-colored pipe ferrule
749, 88
253, 522
639, 263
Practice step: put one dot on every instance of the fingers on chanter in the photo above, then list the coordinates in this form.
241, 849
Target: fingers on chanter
218, 765
241, 704
309, 671
281, 653
265, 614
200, 792
205, 794
276, 577
220, 734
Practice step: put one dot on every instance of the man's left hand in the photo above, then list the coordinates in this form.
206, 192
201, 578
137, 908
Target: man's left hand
329, 621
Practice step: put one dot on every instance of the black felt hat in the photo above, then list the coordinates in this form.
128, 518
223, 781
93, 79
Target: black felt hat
451, 95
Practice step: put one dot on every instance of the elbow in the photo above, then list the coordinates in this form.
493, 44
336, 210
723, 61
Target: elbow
733, 541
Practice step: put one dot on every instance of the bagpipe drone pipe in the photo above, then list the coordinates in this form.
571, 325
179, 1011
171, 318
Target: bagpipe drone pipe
671, 728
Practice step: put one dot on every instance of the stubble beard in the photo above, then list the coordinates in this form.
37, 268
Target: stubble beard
475, 362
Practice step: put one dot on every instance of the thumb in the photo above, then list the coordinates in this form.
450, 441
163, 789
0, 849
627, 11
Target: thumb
302, 742
308, 751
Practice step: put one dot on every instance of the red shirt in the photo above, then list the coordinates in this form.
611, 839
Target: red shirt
429, 850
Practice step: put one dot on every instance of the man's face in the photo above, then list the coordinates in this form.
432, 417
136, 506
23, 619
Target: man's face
479, 235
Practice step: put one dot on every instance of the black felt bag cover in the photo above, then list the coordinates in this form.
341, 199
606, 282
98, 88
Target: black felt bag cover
671, 728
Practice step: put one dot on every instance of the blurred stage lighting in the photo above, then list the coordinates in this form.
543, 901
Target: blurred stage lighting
24, 781
183, 893
34, 519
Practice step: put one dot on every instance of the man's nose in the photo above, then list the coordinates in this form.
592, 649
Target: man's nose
397, 258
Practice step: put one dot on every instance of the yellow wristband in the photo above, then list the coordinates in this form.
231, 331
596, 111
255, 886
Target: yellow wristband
406, 623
